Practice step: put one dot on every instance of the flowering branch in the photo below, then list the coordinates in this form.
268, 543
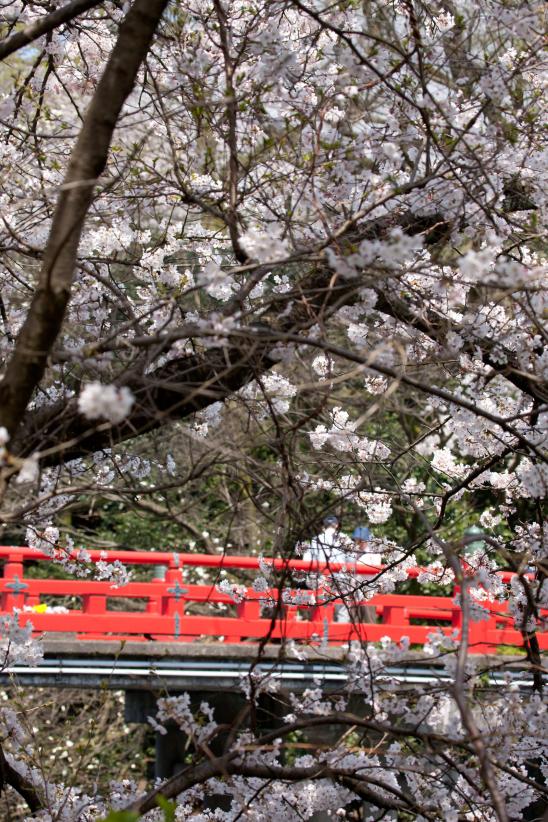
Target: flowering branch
45, 25
45, 316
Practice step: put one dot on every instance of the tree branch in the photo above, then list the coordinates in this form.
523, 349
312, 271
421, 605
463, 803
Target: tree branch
44, 25
25, 789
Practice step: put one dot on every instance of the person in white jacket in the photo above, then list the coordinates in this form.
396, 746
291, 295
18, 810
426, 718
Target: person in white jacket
362, 539
333, 546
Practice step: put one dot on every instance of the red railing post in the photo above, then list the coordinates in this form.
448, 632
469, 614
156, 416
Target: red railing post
14, 595
154, 603
94, 604
316, 612
395, 615
481, 641
173, 603
290, 613
249, 609
173, 598
321, 611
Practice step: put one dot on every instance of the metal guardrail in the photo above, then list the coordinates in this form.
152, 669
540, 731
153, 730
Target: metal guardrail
201, 674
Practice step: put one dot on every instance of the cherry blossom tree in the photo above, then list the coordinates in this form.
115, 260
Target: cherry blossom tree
294, 248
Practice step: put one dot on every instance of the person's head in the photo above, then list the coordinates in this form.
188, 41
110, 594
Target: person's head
361, 534
331, 522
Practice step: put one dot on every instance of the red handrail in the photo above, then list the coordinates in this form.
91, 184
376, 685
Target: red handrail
226, 561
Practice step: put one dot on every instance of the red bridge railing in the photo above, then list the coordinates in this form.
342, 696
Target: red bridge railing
174, 609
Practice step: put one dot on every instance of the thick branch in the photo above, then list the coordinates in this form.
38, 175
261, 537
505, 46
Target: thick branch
25, 789
229, 764
88, 160
44, 25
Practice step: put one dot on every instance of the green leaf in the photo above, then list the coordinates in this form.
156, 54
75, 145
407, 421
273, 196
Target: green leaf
122, 816
167, 807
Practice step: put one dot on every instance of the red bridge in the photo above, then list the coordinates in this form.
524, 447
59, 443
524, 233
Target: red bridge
174, 608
